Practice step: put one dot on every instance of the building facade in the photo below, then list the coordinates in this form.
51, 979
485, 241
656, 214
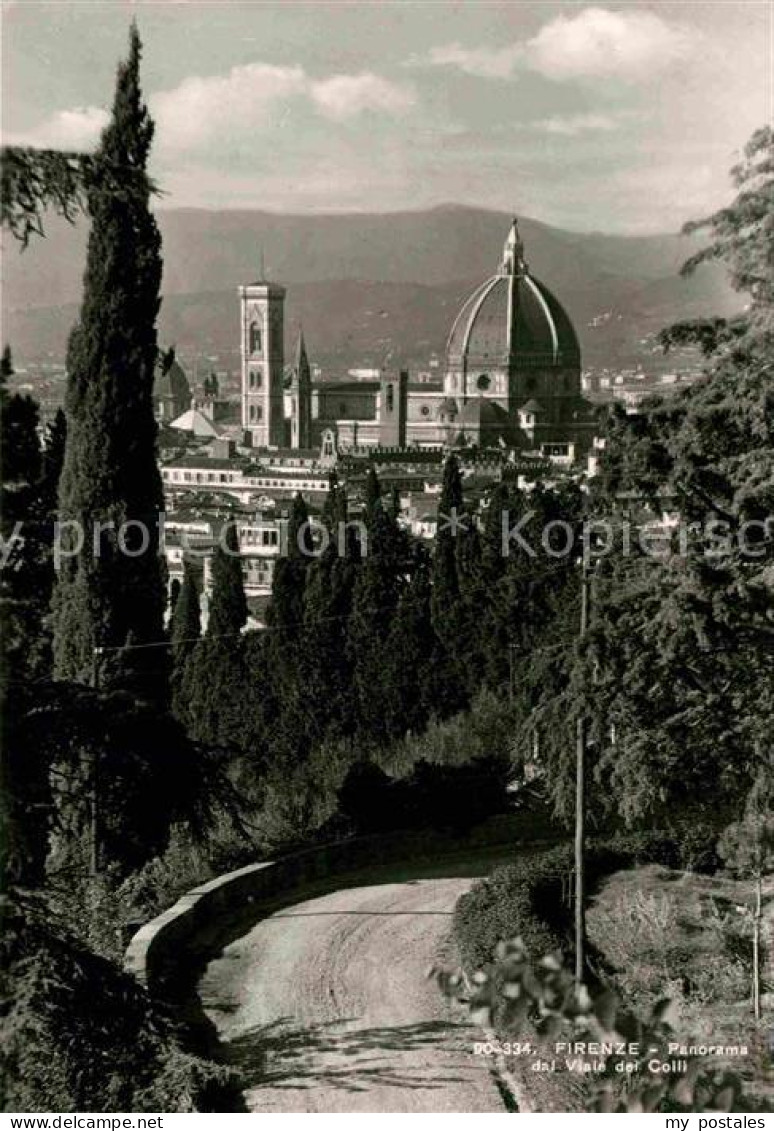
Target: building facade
512, 378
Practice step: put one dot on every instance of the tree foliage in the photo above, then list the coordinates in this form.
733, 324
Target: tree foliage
228, 604
742, 234
677, 672
110, 480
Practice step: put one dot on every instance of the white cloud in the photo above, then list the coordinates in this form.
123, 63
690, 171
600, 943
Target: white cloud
201, 110
484, 62
596, 42
574, 124
346, 96
593, 42
77, 129
230, 109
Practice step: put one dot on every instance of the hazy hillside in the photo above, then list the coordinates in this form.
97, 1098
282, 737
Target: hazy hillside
364, 286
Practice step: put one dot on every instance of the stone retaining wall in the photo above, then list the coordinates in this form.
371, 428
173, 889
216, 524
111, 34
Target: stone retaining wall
200, 917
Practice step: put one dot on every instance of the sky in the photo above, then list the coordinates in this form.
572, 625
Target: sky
621, 117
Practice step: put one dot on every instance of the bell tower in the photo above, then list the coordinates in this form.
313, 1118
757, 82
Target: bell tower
262, 331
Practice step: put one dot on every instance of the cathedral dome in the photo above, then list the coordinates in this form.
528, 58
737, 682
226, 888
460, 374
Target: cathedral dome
171, 382
512, 318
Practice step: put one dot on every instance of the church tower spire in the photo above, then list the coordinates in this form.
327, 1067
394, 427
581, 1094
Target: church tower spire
302, 362
301, 397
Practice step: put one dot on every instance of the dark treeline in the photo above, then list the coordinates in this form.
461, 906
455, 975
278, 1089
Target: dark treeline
367, 644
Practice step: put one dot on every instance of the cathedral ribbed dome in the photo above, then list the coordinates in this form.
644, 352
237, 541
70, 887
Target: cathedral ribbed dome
513, 317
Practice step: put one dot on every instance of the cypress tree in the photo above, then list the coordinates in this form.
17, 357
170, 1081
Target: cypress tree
109, 592
185, 634
228, 604
419, 681
6, 366
207, 683
291, 706
328, 594
381, 579
373, 495
26, 575
288, 582
174, 593
19, 444
186, 619
53, 462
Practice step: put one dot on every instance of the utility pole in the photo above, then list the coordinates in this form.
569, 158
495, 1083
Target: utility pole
580, 800
94, 791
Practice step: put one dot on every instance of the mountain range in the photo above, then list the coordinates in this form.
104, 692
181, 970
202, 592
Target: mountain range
365, 287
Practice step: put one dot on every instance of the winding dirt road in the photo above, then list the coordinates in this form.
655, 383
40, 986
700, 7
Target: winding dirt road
325, 1006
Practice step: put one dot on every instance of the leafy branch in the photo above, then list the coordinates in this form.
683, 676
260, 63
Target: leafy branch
34, 181
515, 993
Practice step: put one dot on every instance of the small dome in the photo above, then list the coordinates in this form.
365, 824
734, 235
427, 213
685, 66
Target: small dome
513, 318
171, 382
483, 413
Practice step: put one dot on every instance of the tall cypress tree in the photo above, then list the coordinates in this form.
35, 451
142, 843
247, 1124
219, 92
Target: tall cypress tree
228, 604
185, 634
6, 366
53, 462
186, 619
419, 680
328, 595
290, 708
110, 476
207, 683
19, 443
285, 611
26, 570
373, 495
381, 579
445, 579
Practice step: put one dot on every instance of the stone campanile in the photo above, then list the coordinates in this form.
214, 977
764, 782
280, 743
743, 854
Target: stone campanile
262, 326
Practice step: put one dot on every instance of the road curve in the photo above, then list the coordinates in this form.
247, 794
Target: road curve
325, 1006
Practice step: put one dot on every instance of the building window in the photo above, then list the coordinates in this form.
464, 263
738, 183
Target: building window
252, 412
425, 410
255, 338
390, 398
256, 378
483, 382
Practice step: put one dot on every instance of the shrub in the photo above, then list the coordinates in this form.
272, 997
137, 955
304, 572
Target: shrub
454, 797
528, 899
366, 798
517, 994
532, 898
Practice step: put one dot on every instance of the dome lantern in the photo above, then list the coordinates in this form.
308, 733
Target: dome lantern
513, 252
